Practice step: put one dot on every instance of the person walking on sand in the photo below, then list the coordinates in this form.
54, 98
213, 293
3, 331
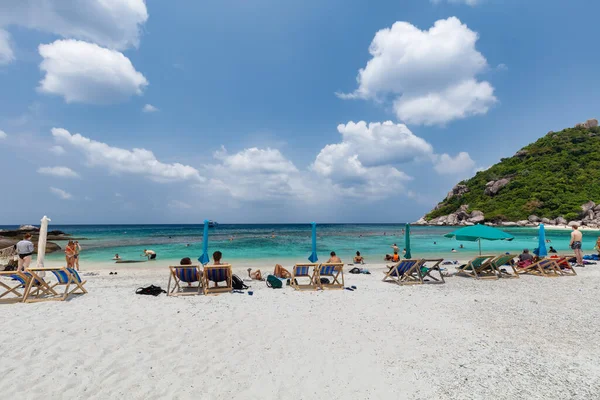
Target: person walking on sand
576, 238
24, 251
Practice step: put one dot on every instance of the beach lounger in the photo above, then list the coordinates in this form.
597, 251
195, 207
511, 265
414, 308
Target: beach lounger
430, 266
45, 291
217, 274
181, 276
545, 267
564, 266
301, 272
14, 290
333, 271
479, 268
501, 263
405, 272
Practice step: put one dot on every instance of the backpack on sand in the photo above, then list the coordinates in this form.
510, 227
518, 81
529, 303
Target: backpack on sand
274, 282
237, 283
150, 290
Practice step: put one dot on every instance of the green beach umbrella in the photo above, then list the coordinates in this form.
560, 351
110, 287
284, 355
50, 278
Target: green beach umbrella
476, 233
407, 242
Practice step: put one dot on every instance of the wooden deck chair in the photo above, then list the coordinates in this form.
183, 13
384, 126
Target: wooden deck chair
182, 276
564, 266
501, 263
304, 271
335, 271
545, 267
479, 267
428, 267
15, 290
67, 277
405, 272
217, 274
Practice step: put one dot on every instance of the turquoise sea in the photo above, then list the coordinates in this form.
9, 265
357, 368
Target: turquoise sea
273, 242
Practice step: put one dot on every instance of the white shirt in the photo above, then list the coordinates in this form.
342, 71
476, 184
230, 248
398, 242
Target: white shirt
24, 247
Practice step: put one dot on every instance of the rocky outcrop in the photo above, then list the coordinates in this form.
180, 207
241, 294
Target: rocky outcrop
493, 187
533, 218
521, 153
590, 123
457, 191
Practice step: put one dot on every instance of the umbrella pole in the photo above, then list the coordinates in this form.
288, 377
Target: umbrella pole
479, 246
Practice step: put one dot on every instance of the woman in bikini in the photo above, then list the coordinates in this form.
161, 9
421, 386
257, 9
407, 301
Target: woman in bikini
279, 272
70, 254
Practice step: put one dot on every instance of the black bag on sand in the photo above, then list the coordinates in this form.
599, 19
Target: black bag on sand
150, 290
237, 283
325, 281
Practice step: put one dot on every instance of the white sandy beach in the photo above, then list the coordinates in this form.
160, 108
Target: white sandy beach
531, 338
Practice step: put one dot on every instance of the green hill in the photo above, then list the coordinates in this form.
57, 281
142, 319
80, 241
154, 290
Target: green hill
550, 178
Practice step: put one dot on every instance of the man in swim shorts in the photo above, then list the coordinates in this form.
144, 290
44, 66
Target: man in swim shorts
576, 238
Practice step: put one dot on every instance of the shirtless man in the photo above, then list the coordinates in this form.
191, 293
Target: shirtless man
334, 258
576, 238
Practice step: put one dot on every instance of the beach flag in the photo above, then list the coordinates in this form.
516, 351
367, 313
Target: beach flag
204, 259
542, 252
313, 257
407, 255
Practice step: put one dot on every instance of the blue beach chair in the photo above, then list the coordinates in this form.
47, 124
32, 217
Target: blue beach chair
66, 277
334, 271
182, 277
217, 274
405, 272
13, 291
301, 272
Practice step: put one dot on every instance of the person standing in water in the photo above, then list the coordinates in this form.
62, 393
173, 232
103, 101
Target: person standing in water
151, 254
576, 239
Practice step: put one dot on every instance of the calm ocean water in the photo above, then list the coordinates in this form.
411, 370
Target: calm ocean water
289, 241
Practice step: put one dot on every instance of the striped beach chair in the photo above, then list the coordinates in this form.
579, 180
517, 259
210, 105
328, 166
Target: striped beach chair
217, 274
301, 272
405, 272
564, 266
14, 290
479, 268
182, 276
333, 271
65, 277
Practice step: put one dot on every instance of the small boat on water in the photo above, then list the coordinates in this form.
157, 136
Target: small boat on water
212, 224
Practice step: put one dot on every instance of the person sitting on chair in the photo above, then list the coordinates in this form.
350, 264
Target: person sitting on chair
334, 258
188, 261
526, 256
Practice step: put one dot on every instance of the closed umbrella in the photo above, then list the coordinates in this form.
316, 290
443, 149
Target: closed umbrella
313, 257
542, 252
41, 255
407, 242
476, 233
204, 259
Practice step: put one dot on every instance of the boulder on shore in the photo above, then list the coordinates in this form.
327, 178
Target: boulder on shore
560, 221
493, 187
572, 223
587, 207
533, 218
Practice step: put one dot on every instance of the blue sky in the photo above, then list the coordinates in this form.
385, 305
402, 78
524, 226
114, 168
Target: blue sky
271, 111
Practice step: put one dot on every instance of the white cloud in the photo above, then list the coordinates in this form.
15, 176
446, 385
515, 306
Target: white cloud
255, 174
179, 205
110, 23
364, 162
431, 75
136, 161
3, 134
149, 108
118, 195
471, 3
60, 172
84, 72
58, 150
461, 164
6, 52
61, 193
